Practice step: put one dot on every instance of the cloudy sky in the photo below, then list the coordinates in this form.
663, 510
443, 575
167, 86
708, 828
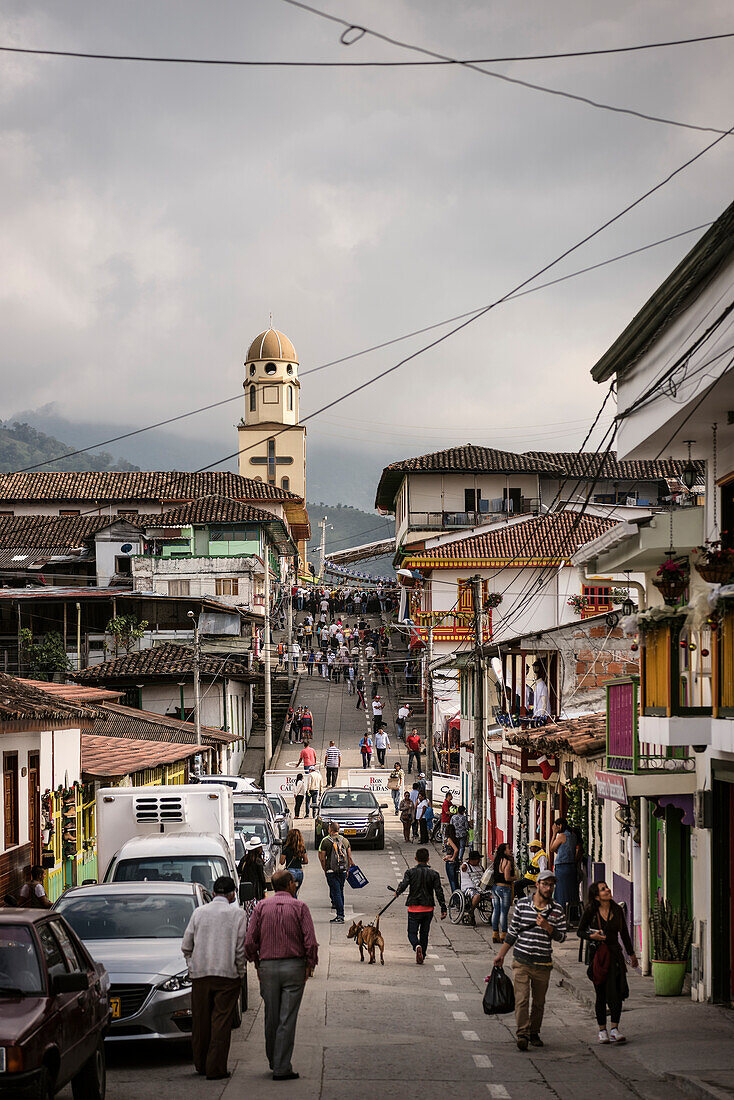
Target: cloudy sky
152, 216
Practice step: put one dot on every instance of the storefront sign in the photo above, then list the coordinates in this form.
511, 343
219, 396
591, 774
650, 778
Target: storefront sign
444, 784
375, 781
611, 786
280, 782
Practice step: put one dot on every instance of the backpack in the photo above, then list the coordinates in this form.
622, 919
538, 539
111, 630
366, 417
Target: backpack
338, 858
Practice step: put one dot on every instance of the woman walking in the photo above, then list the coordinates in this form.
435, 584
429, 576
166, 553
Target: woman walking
406, 815
603, 924
251, 869
451, 855
299, 792
294, 856
504, 874
420, 816
396, 785
365, 747
289, 725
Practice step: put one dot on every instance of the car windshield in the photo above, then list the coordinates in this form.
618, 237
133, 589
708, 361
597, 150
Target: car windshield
19, 968
348, 800
251, 811
101, 916
276, 804
203, 869
255, 829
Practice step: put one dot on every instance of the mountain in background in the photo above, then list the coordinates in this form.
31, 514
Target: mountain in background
22, 446
350, 527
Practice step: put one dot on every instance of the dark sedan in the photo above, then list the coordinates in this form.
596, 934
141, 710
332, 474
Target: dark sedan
54, 1009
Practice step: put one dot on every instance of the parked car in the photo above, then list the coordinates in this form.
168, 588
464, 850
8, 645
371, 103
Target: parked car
135, 930
240, 784
248, 830
358, 813
254, 807
54, 1009
282, 813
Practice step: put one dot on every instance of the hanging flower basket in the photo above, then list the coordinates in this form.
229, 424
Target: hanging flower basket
671, 579
494, 599
579, 603
714, 563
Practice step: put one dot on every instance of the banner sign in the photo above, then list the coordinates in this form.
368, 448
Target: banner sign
612, 787
444, 784
375, 781
280, 782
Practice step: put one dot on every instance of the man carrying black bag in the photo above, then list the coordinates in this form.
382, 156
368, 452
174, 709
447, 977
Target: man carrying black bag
536, 922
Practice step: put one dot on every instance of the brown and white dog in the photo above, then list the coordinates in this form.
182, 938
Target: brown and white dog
368, 936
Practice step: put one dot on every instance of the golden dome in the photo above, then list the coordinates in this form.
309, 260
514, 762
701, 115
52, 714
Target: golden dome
272, 345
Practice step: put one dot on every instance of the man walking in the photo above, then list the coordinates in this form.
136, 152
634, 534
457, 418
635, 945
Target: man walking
332, 763
424, 890
282, 943
536, 922
377, 714
214, 948
404, 714
314, 785
360, 693
307, 758
414, 750
382, 744
335, 857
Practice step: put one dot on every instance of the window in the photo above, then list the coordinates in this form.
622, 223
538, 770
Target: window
271, 395
289, 368
20, 959
253, 397
10, 797
252, 369
285, 483
466, 604
512, 500
271, 462
179, 588
73, 960
51, 951
471, 499
290, 399
69, 512
232, 534
597, 598
226, 586
123, 564
127, 512
270, 368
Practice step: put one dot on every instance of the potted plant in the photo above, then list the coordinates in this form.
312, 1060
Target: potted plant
714, 563
671, 932
578, 602
671, 579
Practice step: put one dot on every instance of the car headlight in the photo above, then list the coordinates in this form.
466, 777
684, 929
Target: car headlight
177, 982
374, 815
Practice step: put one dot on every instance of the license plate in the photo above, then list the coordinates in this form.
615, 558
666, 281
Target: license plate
115, 1008
349, 832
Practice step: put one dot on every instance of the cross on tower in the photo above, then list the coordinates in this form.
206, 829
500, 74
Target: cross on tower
272, 460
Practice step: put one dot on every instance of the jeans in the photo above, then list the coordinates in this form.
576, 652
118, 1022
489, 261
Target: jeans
423, 827
331, 774
336, 880
396, 799
452, 873
281, 988
297, 873
502, 896
374, 690
461, 841
366, 759
567, 889
411, 757
419, 925
350, 687
381, 757
615, 1006
400, 726
299, 803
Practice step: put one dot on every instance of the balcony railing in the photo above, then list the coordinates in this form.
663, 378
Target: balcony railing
626, 754
495, 512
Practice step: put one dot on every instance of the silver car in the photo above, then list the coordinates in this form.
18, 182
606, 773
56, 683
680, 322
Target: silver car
135, 930
260, 830
282, 813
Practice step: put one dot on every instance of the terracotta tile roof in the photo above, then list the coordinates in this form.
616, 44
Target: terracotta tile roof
116, 720
582, 736
609, 466
550, 538
471, 458
21, 700
211, 509
58, 532
76, 693
161, 662
128, 486
116, 756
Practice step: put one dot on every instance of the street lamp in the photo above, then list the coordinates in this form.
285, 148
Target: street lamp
690, 473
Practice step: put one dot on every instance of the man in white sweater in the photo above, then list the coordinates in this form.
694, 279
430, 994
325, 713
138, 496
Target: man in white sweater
214, 948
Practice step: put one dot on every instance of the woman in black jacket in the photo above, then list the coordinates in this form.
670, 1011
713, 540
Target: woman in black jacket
252, 869
603, 924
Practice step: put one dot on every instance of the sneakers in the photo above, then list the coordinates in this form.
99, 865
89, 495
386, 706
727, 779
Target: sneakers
337, 920
615, 1037
536, 1041
603, 1035
419, 955
522, 1043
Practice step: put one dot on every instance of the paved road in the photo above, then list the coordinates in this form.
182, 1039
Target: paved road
399, 1031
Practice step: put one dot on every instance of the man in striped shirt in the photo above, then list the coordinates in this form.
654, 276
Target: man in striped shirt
536, 922
332, 760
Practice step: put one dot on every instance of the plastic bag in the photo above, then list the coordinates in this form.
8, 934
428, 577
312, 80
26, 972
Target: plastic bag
499, 995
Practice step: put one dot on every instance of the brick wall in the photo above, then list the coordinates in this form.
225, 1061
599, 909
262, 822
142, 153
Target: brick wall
12, 869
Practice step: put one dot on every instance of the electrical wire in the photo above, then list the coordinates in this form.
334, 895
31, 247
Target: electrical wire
586, 100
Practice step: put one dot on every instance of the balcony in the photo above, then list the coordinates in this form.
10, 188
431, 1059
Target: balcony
650, 767
491, 511
455, 626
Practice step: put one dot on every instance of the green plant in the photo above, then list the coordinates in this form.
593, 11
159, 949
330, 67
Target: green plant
579, 603
44, 658
126, 630
672, 932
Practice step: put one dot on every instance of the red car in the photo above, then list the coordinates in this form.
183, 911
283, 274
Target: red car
54, 1009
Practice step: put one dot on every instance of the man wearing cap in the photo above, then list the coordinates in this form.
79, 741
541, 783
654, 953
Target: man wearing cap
536, 922
538, 863
376, 714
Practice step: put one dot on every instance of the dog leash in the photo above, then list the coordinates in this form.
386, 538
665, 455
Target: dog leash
389, 903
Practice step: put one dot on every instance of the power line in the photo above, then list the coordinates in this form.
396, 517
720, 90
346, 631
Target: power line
270, 63
369, 350
597, 104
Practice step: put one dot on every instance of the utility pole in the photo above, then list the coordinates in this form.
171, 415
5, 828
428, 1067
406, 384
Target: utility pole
197, 670
479, 765
266, 655
429, 715
289, 620
322, 557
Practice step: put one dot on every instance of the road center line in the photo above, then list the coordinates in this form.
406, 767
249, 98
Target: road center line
445, 981
470, 1036
439, 967
498, 1091
482, 1061
458, 1015
451, 996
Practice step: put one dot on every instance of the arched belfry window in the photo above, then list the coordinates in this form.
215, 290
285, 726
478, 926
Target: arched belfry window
253, 398
290, 399
285, 483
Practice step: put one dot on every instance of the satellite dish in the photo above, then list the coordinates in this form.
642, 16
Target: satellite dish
126, 548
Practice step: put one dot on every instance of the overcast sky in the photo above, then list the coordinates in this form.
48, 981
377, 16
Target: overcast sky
152, 216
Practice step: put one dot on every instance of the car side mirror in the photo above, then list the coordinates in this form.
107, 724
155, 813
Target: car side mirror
75, 982
247, 892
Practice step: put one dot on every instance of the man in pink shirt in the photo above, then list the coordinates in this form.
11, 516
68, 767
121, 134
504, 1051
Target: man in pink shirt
307, 758
281, 941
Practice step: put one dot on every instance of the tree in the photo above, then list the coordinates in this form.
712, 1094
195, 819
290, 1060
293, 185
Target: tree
44, 658
126, 630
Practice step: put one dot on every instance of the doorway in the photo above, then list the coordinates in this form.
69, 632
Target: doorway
34, 806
